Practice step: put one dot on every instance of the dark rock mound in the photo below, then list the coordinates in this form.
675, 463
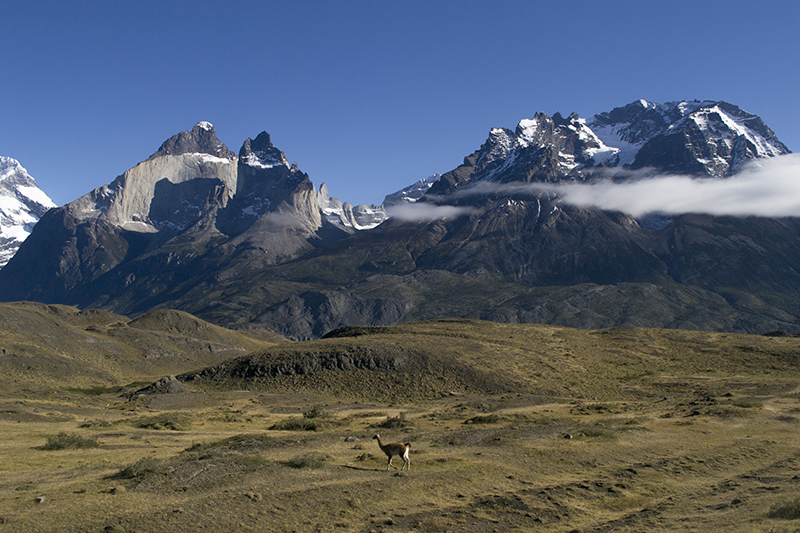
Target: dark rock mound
167, 385
298, 364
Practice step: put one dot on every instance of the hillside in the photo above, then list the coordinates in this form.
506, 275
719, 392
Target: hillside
49, 347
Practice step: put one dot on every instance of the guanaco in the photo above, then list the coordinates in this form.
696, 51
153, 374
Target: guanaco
395, 448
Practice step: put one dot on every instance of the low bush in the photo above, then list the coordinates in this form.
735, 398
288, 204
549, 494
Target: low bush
309, 460
144, 468
316, 411
64, 441
394, 422
168, 421
484, 419
786, 511
297, 424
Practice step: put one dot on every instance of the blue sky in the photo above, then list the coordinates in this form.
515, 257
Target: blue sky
366, 96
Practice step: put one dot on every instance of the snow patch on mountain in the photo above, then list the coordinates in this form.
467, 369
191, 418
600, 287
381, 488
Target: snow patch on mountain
344, 214
22, 204
612, 136
413, 192
266, 159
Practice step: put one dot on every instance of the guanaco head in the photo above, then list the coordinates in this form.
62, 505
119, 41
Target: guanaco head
376, 436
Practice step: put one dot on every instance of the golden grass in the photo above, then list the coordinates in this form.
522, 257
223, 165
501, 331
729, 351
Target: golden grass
624, 430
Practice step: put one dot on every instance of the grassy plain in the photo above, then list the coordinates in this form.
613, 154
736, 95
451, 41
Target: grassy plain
513, 428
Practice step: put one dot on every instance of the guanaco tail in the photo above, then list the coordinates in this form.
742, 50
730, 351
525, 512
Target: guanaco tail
395, 448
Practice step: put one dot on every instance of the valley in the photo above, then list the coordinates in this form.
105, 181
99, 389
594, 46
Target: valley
512, 427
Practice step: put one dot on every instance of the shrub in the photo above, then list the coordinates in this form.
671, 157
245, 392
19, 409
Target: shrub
63, 441
169, 421
309, 460
143, 468
394, 422
786, 511
297, 424
242, 443
316, 411
484, 419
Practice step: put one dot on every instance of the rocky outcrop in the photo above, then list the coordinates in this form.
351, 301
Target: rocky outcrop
297, 364
167, 385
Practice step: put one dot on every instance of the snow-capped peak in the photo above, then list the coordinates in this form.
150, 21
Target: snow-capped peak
205, 125
22, 204
731, 134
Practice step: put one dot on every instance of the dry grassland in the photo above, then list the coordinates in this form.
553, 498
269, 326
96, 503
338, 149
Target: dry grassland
546, 430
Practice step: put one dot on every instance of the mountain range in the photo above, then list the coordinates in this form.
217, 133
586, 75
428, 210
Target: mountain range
246, 240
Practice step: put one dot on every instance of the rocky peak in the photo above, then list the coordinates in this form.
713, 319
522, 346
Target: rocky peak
710, 138
201, 139
260, 152
541, 149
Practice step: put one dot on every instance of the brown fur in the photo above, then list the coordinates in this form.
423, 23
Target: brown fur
395, 448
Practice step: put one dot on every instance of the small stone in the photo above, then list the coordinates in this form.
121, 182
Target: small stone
39, 499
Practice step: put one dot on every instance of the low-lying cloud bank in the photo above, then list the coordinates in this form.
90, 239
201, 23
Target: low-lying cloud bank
768, 187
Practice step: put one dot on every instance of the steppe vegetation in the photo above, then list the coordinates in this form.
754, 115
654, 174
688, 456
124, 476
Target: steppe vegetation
513, 428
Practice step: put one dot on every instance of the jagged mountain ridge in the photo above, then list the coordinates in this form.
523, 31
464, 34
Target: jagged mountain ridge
693, 138
22, 204
273, 252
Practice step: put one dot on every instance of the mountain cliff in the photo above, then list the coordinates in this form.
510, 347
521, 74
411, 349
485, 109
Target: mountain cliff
22, 204
246, 241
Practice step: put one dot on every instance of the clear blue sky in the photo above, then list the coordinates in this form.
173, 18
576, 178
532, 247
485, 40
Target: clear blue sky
367, 96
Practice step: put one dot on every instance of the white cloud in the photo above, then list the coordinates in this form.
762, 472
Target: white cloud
424, 212
767, 187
